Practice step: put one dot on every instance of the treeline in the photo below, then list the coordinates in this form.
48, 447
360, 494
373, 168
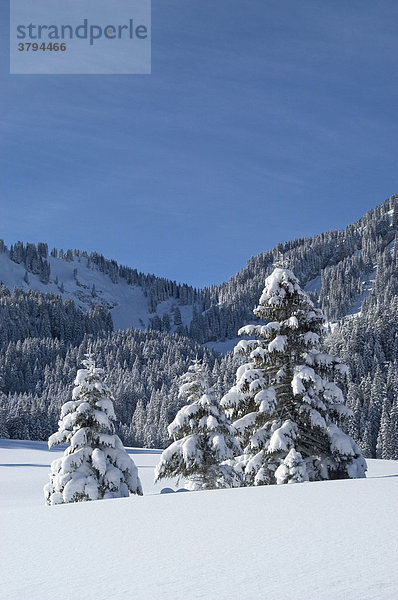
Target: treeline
37, 378
30, 314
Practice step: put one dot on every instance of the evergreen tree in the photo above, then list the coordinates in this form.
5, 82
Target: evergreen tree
383, 449
95, 465
287, 410
392, 433
203, 438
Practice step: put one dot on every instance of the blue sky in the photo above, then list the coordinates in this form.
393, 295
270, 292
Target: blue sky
262, 121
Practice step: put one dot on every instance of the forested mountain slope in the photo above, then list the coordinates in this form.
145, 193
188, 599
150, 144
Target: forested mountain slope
132, 298
65, 300
337, 266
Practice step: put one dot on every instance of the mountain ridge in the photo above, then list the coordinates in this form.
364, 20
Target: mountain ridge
142, 300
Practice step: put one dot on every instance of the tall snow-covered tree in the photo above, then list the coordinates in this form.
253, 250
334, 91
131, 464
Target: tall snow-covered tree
287, 409
204, 440
95, 465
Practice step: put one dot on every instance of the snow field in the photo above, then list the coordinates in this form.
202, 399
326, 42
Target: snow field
310, 541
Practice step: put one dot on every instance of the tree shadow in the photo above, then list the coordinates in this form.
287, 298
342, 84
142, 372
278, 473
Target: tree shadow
23, 465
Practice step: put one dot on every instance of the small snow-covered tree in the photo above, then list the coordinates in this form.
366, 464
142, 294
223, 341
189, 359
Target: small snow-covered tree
95, 465
285, 405
292, 469
204, 440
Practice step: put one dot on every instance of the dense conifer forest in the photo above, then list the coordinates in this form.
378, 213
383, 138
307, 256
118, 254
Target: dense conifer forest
351, 274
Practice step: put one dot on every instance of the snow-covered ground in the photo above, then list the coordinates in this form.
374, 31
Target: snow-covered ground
311, 541
223, 347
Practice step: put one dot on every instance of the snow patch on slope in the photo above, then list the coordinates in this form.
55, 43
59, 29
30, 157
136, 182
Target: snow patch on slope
223, 347
314, 285
368, 280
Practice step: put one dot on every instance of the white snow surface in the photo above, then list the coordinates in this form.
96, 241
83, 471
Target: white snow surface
306, 541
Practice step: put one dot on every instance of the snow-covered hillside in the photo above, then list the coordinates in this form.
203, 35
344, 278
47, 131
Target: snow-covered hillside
86, 285
311, 541
338, 266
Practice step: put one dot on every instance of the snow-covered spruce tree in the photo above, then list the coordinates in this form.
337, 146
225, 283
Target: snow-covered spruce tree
285, 406
95, 465
204, 440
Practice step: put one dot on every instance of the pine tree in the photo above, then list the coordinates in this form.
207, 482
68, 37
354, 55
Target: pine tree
203, 438
95, 465
286, 409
